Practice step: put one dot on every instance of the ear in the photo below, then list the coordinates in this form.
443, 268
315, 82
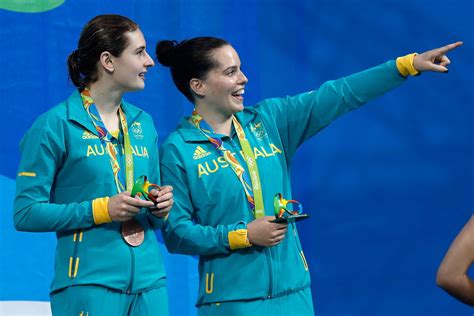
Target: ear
106, 61
198, 87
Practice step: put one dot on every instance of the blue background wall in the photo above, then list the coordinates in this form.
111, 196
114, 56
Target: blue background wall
388, 186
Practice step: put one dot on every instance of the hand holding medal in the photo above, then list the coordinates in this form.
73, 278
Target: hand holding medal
132, 231
162, 197
143, 188
287, 210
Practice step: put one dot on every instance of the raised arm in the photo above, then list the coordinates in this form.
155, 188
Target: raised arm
300, 117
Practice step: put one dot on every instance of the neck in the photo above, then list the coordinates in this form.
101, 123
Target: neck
221, 123
105, 99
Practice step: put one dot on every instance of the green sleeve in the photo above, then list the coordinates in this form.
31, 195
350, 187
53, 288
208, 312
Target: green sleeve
299, 117
42, 155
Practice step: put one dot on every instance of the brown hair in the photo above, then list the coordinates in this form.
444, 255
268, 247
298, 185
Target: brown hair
102, 33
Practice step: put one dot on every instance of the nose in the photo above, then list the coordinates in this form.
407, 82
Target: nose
149, 61
242, 78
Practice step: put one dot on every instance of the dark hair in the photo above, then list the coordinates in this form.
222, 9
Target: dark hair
102, 33
189, 59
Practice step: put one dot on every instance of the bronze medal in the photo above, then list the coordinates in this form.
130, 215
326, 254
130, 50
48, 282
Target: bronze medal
133, 233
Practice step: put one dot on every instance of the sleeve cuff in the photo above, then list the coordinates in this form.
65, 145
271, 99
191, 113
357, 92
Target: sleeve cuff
405, 65
100, 210
238, 239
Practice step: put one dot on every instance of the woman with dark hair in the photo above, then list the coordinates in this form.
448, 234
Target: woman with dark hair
79, 163
229, 167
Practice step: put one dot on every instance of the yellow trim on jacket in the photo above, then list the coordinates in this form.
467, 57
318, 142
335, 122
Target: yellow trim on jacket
100, 210
405, 65
238, 239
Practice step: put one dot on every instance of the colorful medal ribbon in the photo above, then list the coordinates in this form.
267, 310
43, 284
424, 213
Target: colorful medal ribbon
106, 139
253, 191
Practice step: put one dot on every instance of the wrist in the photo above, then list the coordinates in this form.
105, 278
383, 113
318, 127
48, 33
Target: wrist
406, 65
100, 210
238, 238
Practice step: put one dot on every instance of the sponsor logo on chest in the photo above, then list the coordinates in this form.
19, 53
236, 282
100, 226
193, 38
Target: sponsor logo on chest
200, 153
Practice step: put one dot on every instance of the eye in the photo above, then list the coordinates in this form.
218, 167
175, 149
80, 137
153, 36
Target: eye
230, 72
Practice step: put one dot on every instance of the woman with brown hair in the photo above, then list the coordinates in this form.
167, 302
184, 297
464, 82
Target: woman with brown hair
79, 163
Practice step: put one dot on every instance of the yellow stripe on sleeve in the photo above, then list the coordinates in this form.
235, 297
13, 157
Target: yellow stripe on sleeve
27, 174
238, 239
100, 210
405, 65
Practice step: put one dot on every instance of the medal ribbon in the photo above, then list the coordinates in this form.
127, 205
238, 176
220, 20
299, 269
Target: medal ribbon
106, 139
252, 189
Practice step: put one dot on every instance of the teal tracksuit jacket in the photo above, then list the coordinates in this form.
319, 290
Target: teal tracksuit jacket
210, 201
63, 168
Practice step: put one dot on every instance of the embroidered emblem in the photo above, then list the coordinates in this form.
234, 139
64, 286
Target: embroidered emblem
258, 130
200, 153
137, 130
89, 135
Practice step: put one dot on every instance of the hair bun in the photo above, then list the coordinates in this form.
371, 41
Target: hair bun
166, 52
75, 55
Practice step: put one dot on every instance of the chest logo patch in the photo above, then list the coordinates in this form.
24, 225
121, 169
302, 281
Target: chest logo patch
137, 130
88, 135
200, 153
258, 130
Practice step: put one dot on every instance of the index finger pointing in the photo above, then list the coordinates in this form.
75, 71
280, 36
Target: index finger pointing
449, 47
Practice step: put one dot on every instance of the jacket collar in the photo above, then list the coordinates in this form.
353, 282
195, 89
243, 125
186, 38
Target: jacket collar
77, 113
191, 134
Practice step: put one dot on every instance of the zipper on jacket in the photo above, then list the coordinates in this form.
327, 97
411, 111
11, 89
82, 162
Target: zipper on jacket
132, 270
268, 254
268, 257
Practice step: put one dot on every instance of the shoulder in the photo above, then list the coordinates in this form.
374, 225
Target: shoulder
133, 111
175, 150
50, 124
55, 115
174, 140
48, 128
138, 119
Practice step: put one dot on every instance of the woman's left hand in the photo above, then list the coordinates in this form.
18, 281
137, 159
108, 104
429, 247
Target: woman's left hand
435, 59
164, 201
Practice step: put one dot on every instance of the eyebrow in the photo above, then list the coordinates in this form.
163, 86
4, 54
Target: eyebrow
231, 67
139, 48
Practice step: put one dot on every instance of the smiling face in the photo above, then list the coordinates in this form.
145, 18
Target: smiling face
130, 68
223, 87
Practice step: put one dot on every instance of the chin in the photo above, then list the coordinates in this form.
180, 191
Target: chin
239, 108
136, 87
